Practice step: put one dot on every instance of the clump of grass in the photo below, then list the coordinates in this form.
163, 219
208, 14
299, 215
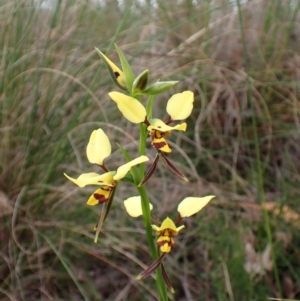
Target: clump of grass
242, 145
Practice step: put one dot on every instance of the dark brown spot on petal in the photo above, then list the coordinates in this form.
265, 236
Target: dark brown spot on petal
162, 242
159, 145
100, 198
117, 74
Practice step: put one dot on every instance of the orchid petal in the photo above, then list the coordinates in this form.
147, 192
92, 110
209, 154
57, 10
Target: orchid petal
166, 279
159, 125
191, 205
173, 167
161, 144
133, 206
123, 169
180, 105
146, 273
98, 147
93, 178
165, 243
116, 73
130, 107
150, 171
167, 224
100, 196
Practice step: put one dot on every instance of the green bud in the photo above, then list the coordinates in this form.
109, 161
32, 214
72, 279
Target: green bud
140, 82
159, 87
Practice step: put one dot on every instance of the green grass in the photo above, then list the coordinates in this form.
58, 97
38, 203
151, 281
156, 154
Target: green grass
242, 144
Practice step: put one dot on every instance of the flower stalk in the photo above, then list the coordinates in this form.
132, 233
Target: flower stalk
147, 215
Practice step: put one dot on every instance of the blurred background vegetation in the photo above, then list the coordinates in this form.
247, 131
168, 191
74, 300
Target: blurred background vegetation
242, 61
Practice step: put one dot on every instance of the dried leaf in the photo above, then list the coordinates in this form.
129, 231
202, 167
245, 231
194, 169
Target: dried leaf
5, 207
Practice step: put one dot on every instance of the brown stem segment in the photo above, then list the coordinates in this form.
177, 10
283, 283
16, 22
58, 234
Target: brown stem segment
173, 168
146, 273
150, 171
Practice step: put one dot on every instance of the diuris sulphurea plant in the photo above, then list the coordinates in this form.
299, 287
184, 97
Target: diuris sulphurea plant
135, 92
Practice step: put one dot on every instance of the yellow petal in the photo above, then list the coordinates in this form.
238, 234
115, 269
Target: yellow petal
180, 105
98, 147
166, 248
116, 73
93, 178
92, 201
191, 205
165, 244
161, 144
130, 107
167, 224
100, 196
159, 125
123, 170
133, 206
156, 228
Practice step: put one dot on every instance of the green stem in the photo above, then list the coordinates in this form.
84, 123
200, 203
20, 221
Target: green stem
161, 286
142, 146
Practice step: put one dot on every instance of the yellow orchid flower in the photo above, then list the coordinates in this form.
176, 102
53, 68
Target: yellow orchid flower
179, 107
158, 130
167, 230
108, 181
97, 150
